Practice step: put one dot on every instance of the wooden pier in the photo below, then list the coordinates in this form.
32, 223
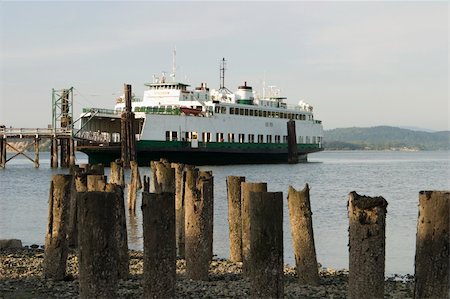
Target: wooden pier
60, 138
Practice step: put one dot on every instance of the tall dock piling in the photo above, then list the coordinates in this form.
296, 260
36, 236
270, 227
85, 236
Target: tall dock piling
234, 216
158, 214
2, 152
56, 245
292, 143
432, 261
36, 152
54, 153
367, 242
198, 223
246, 188
128, 137
300, 216
180, 182
97, 266
266, 238
117, 175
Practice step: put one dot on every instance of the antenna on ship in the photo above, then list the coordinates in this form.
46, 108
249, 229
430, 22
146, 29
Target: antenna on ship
222, 77
174, 64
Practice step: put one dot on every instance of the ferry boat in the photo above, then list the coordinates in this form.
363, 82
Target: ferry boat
202, 126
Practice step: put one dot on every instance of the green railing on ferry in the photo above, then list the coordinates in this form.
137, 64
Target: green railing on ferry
100, 110
159, 110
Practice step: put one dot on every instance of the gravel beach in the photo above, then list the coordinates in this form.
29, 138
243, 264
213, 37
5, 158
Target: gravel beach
21, 277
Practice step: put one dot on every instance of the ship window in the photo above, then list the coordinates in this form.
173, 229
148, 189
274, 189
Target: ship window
260, 138
219, 137
314, 139
264, 113
241, 111
260, 113
300, 139
206, 137
174, 136
167, 135
241, 138
277, 139
223, 110
269, 138
230, 137
231, 110
251, 138
276, 114
251, 112
246, 111
285, 139
217, 109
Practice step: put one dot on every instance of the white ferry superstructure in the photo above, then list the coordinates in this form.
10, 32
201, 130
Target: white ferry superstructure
202, 127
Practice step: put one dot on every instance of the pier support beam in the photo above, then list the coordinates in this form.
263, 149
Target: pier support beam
292, 143
432, 266
2, 152
54, 153
36, 152
367, 246
128, 134
300, 216
234, 216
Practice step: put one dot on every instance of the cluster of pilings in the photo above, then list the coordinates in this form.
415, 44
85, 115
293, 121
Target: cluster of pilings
88, 212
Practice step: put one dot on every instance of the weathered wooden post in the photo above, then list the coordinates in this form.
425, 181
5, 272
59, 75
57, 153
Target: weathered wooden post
127, 136
117, 175
300, 216
198, 223
98, 255
120, 222
2, 151
36, 152
180, 179
71, 152
432, 262
56, 246
163, 177
96, 182
266, 238
246, 188
133, 186
292, 143
54, 153
367, 242
234, 216
158, 214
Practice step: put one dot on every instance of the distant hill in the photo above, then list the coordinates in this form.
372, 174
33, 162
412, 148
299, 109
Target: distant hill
385, 137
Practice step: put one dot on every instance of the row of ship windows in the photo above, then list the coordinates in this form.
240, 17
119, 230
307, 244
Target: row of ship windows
241, 138
262, 113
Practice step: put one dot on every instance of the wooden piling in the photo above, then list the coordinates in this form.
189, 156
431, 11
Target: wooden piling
292, 142
432, 261
133, 186
266, 238
117, 174
180, 180
98, 254
2, 152
300, 216
56, 246
71, 152
79, 185
127, 136
36, 152
367, 242
54, 153
96, 182
246, 188
163, 177
234, 216
158, 214
121, 233
198, 223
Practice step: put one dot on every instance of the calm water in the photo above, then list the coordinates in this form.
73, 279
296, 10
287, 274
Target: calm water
397, 176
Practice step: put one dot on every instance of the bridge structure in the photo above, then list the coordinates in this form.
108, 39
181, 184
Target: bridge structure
60, 133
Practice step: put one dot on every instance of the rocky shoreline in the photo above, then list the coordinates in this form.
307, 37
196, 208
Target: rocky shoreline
21, 277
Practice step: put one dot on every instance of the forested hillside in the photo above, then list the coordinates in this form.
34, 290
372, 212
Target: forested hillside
384, 137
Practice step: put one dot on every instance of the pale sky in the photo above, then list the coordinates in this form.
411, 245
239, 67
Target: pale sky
357, 63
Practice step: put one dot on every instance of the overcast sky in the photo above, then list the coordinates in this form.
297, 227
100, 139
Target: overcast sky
357, 63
